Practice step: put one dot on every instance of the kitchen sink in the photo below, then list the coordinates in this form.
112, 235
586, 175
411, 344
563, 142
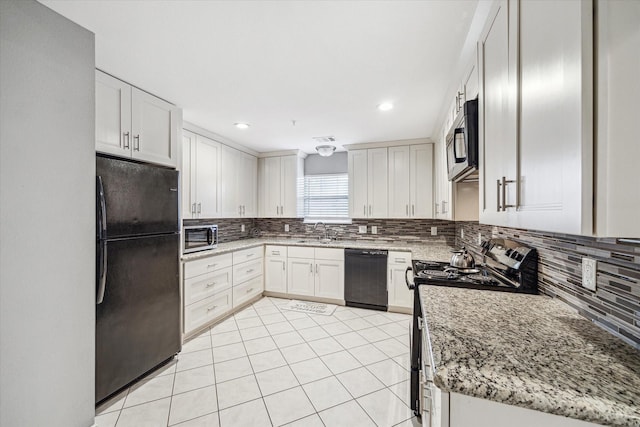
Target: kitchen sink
321, 241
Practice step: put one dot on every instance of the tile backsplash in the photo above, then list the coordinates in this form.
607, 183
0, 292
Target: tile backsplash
394, 230
615, 305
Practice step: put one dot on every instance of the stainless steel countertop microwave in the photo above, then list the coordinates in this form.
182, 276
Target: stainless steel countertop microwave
201, 237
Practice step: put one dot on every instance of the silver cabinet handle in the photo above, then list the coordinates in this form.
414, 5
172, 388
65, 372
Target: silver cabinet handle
211, 308
437, 207
250, 270
316, 268
193, 208
250, 255
125, 142
498, 204
413, 210
277, 210
210, 284
400, 260
369, 210
311, 268
506, 181
249, 290
283, 265
275, 252
365, 210
211, 265
243, 210
239, 209
444, 206
199, 207
407, 209
136, 143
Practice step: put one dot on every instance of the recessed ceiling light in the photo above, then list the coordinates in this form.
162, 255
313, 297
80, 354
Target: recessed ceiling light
385, 106
241, 125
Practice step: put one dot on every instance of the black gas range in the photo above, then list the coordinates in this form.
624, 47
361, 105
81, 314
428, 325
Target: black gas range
507, 266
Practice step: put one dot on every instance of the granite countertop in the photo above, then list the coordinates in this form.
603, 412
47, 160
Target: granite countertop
531, 351
438, 251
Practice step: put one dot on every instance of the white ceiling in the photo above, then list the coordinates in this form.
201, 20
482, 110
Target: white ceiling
324, 64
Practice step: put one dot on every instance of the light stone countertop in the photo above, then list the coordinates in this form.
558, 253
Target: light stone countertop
531, 351
437, 251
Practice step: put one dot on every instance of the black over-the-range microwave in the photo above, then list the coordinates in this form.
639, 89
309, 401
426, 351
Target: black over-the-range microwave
462, 143
200, 237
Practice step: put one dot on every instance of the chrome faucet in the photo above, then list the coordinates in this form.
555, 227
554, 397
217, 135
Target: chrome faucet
326, 232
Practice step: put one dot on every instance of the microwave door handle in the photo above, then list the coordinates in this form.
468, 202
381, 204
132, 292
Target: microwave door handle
209, 237
102, 275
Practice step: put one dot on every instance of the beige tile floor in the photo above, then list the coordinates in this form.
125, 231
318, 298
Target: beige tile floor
270, 367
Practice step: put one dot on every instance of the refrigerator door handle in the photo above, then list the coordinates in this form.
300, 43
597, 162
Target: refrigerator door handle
102, 235
101, 210
102, 278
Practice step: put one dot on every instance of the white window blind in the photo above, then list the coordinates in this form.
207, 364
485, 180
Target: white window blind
326, 196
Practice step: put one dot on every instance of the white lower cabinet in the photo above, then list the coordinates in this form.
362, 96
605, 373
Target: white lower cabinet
468, 411
215, 285
301, 276
246, 291
207, 310
247, 275
275, 268
305, 271
399, 295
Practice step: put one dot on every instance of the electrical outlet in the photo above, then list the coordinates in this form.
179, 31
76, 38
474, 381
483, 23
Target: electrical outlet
434, 231
462, 233
374, 229
242, 228
362, 229
589, 273
479, 238
286, 228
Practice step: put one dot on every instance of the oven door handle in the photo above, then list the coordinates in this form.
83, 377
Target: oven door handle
406, 279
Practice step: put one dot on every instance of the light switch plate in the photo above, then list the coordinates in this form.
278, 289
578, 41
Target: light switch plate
462, 233
589, 273
362, 229
479, 237
374, 229
434, 231
286, 228
242, 228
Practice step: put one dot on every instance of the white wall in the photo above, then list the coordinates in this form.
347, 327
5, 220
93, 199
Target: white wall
47, 218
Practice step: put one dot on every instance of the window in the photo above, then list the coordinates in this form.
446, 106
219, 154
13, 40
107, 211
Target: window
326, 197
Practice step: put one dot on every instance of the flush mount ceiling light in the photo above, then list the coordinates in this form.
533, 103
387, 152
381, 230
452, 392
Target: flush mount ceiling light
241, 125
385, 106
325, 150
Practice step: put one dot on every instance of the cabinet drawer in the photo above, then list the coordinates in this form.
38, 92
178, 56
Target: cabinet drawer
275, 251
399, 258
247, 255
199, 287
246, 270
247, 290
330, 253
206, 265
207, 310
300, 252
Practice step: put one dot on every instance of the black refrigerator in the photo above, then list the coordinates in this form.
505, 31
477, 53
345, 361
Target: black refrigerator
137, 264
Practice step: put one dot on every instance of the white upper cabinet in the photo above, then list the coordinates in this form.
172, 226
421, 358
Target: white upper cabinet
200, 176
535, 65
497, 137
132, 123
368, 180
238, 183
421, 180
411, 181
618, 68
280, 186
442, 185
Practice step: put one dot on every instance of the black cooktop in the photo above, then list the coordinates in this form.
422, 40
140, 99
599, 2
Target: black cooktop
507, 266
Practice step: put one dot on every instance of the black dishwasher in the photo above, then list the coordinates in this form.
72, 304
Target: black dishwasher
365, 278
